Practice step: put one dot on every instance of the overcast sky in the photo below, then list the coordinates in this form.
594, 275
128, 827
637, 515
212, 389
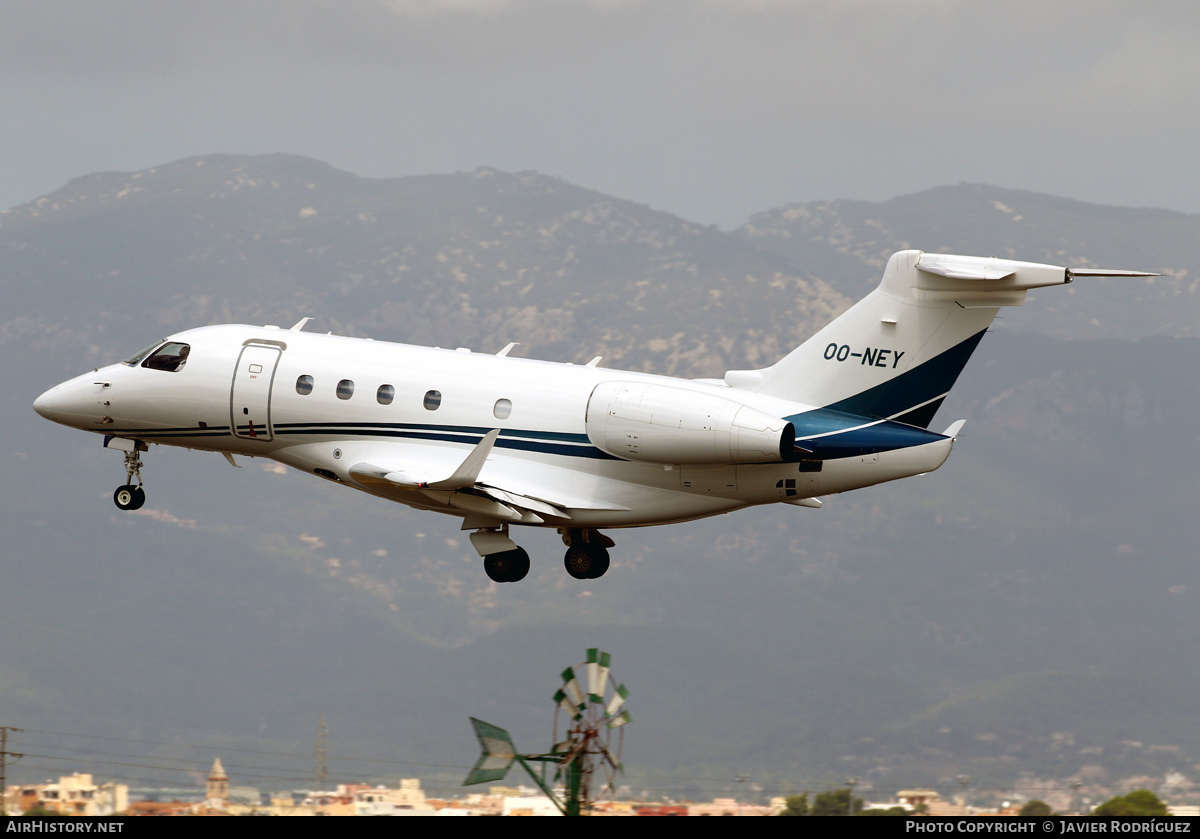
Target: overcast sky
711, 109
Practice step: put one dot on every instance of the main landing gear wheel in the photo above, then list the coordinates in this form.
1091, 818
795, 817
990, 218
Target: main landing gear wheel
586, 560
129, 497
587, 552
507, 567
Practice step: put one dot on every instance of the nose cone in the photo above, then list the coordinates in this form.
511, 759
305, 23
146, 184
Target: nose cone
78, 402
48, 403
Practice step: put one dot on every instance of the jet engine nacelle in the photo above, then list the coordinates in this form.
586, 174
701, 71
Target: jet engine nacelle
662, 424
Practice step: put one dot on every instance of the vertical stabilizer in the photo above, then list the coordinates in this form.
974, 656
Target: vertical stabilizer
897, 352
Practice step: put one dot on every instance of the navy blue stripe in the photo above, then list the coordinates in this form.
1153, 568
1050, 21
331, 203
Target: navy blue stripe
552, 448
823, 421
548, 442
914, 387
465, 435
921, 416
418, 426
877, 437
852, 425
144, 433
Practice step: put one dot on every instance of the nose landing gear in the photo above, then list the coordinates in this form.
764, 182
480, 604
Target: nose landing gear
130, 496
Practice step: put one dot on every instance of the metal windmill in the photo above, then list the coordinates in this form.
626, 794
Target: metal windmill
589, 731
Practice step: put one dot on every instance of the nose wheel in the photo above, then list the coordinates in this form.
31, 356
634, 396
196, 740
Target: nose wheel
131, 496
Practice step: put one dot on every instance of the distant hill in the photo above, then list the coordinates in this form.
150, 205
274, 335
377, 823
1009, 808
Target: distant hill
831, 238
1027, 608
475, 259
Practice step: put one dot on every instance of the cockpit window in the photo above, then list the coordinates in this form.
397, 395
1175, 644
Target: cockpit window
170, 357
136, 359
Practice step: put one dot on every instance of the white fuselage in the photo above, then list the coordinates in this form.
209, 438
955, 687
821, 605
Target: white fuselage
241, 391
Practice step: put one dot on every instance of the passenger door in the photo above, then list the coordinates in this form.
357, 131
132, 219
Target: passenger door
250, 396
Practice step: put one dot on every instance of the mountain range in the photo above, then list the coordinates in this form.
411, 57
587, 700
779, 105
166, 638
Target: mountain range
1027, 610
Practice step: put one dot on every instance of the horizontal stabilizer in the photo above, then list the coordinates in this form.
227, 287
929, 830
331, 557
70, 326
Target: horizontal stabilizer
1107, 272
896, 353
970, 268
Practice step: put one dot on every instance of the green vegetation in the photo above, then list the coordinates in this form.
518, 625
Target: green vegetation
1139, 803
797, 805
836, 803
1036, 808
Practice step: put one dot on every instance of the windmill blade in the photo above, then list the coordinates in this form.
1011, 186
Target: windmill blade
598, 665
620, 719
617, 701
571, 686
571, 709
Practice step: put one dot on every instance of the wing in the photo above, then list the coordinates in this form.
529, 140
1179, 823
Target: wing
485, 481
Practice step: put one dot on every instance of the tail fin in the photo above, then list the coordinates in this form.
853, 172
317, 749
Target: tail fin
897, 352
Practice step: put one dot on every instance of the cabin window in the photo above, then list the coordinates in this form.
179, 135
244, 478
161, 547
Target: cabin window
170, 357
304, 385
432, 400
502, 408
345, 389
385, 394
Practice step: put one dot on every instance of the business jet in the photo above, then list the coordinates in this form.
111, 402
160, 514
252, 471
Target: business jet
502, 442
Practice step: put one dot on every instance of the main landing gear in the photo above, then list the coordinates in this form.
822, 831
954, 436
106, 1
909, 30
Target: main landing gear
587, 552
507, 566
506, 562
131, 496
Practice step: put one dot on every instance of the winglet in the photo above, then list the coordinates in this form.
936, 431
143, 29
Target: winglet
299, 325
468, 472
464, 476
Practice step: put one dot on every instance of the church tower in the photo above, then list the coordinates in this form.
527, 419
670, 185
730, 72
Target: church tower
217, 795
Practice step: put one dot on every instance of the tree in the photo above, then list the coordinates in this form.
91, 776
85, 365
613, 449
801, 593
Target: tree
1141, 802
836, 803
797, 805
1036, 808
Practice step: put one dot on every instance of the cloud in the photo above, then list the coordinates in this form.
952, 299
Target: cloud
712, 108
